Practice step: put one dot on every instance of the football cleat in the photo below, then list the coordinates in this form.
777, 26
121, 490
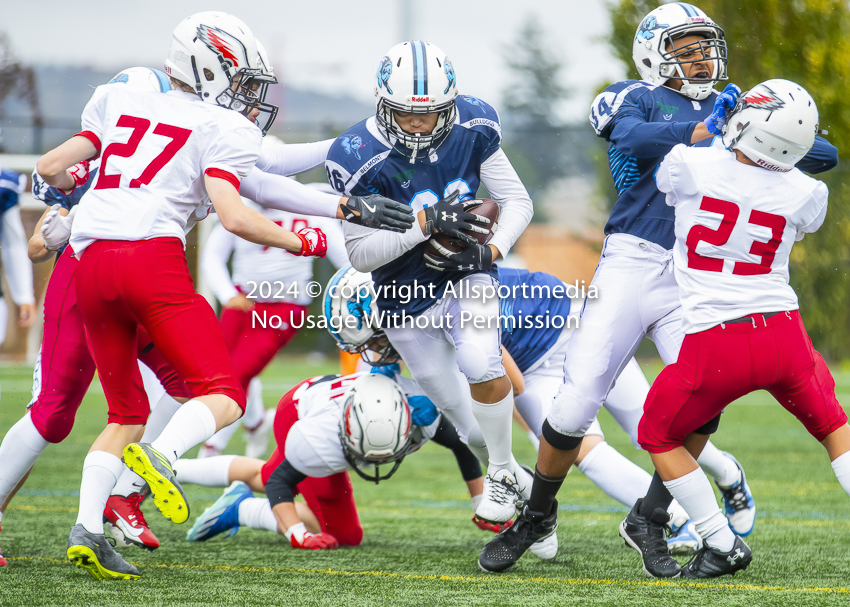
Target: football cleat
208, 451
710, 562
257, 438
646, 535
127, 523
738, 504
502, 490
222, 516
95, 554
684, 539
3, 562
529, 532
157, 472
487, 526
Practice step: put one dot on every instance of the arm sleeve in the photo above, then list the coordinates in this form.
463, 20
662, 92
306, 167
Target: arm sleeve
281, 485
217, 251
632, 135
294, 158
515, 206
15, 260
233, 154
282, 193
370, 249
822, 157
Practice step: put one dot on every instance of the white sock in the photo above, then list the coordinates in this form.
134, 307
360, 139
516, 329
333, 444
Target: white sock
128, 483
693, 491
161, 414
616, 475
192, 424
535, 440
255, 410
722, 469
20, 448
841, 466
476, 499
100, 472
210, 471
496, 423
256, 513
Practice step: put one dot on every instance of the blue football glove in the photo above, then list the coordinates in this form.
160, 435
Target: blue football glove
724, 103
387, 370
423, 411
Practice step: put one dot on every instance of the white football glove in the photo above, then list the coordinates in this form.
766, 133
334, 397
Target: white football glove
56, 228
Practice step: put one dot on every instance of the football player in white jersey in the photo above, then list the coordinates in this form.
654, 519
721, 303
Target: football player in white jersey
739, 211
161, 157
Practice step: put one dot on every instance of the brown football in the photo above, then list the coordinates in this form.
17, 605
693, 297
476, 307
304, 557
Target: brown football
484, 207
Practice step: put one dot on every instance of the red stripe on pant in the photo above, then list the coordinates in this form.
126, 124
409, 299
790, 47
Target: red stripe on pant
120, 284
252, 346
66, 366
724, 363
331, 498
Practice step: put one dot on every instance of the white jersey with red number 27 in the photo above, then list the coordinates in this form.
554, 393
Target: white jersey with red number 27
735, 226
155, 150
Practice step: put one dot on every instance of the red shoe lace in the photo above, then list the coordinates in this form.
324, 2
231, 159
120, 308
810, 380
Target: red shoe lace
136, 515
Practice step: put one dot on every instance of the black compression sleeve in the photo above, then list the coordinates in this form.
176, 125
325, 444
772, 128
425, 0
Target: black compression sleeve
470, 468
281, 484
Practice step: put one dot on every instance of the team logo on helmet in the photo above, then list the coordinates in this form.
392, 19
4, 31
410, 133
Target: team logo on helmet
216, 41
122, 78
763, 101
648, 27
361, 307
450, 74
352, 144
384, 72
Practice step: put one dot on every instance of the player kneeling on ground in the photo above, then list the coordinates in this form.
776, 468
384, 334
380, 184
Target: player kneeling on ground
323, 427
738, 212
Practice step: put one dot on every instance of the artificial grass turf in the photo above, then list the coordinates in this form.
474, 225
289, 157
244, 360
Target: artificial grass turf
420, 547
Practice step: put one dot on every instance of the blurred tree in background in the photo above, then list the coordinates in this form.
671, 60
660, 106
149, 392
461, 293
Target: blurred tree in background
805, 41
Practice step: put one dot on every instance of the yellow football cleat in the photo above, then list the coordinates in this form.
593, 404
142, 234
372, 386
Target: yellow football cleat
153, 466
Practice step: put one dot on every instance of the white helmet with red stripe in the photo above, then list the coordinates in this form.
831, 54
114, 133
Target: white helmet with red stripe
375, 425
213, 51
774, 124
415, 77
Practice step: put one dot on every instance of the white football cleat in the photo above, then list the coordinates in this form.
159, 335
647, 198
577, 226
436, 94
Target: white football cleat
501, 492
208, 451
684, 540
545, 549
257, 439
738, 504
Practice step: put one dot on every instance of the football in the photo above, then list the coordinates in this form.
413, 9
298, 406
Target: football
484, 207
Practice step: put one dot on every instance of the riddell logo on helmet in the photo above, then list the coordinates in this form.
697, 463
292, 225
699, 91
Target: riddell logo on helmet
771, 167
420, 99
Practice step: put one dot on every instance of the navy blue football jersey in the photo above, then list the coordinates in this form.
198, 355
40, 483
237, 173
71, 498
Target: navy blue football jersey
12, 185
533, 314
642, 122
69, 201
361, 161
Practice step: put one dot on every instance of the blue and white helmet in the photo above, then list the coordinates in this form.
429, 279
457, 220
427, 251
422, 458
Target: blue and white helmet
143, 78
351, 315
654, 42
415, 77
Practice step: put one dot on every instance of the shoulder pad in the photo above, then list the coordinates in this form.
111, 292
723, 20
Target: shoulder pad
353, 154
608, 102
473, 113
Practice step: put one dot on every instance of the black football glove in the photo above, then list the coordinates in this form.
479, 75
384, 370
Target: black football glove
473, 257
448, 218
378, 212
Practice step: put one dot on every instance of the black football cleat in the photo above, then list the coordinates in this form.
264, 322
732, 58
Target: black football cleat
504, 550
710, 562
647, 536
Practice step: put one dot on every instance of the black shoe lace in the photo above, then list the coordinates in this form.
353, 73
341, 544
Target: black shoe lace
656, 544
500, 491
695, 564
735, 497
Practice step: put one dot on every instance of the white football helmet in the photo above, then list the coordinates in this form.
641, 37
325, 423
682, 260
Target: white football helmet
774, 124
213, 51
657, 62
375, 426
143, 78
415, 77
351, 315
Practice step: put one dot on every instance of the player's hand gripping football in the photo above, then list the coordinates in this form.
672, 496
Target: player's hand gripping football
473, 257
724, 103
56, 228
314, 243
378, 212
300, 538
446, 217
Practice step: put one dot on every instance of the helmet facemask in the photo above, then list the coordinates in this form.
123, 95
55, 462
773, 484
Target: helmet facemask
248, 93
710, 49
413, 143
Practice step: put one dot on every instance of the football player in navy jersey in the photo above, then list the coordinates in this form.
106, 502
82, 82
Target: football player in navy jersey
13, 251
426, 146
681, 54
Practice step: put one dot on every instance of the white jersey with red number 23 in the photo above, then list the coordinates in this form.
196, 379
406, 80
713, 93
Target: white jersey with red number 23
735, 226
155, 150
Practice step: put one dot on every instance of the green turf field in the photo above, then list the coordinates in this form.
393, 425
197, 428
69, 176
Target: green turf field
420, 547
